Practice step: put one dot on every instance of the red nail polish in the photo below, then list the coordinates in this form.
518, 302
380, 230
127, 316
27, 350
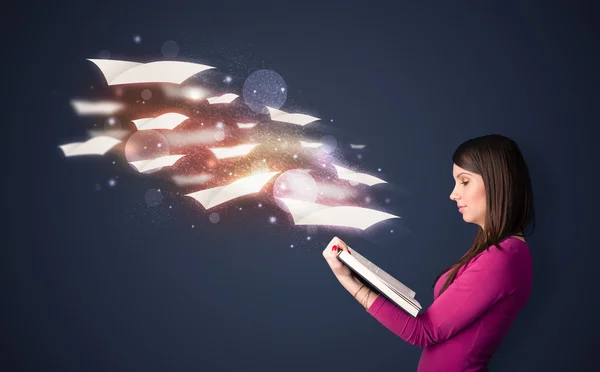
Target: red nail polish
334, 248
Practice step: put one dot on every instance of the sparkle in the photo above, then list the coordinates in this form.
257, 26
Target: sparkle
220, 125
368, 199
227, 79
332, 120
379, 169
193, 226
159, 145
295, 156
240, 208
391, 231
170, 207
260, 205
387, 200
137, 39
359, 156
283, 89
272, 219
291, 246
112, 182
254, 91
113, 162
308, 238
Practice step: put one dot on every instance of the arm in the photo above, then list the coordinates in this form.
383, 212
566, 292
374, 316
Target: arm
483, 283
352, 284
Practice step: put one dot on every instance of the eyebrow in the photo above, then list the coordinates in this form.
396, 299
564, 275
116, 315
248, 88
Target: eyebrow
468, 174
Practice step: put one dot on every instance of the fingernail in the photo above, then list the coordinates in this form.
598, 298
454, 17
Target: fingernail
334, 248
349, 251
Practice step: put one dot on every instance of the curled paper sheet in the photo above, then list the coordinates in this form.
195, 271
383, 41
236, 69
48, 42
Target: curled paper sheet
249, 185
357, 146
169, 120
299, 119
95, 146
96, 107
310, 144
152, 164
125, 72
347, 174
225, 98
232, 152
307, 213
246, 125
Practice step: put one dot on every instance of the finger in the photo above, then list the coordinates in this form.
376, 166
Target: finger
340, 244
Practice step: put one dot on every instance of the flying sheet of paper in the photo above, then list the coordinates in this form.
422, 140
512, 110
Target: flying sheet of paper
310, 144
94, 146
115, 133
125, 72
347, 174
225, 98
169, 120
249, 185
152, 164
357, 146
307, 213
231, 152
299, 119
246, 125
96, 107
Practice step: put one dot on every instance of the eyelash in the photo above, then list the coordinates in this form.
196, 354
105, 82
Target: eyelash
465, 183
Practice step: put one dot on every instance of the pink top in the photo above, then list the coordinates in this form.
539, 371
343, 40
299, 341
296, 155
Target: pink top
464, 326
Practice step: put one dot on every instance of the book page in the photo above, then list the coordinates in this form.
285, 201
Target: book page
390, 280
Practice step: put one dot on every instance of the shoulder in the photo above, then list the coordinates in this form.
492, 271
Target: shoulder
509, 250
512, 260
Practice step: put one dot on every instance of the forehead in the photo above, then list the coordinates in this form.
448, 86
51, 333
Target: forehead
456, 170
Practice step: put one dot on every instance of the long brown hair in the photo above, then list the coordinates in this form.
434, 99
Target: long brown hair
508, 191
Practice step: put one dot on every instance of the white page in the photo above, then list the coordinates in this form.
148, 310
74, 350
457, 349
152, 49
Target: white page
249, 185
307, 213
96, 146
170, 120
124, 72
152, 164
347, 174
299, 119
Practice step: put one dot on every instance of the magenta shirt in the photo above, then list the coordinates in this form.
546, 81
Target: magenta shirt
464, 326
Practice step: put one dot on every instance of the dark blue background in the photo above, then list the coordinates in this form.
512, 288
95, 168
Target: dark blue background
97, 281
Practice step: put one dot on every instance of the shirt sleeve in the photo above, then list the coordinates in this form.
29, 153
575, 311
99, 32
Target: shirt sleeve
484, 282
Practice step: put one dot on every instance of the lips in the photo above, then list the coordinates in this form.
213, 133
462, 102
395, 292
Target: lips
461, 207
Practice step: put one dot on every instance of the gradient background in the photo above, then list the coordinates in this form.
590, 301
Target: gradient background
96, 281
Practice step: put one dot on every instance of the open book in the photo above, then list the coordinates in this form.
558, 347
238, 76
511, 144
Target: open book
381, 281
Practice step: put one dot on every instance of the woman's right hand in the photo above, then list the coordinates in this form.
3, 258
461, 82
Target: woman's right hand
340, 270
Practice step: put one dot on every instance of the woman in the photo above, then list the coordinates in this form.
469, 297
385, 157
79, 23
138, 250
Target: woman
477, 299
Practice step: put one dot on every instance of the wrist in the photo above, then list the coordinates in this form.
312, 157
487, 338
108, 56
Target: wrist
348, 280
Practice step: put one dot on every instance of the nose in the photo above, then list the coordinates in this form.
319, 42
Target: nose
454, 195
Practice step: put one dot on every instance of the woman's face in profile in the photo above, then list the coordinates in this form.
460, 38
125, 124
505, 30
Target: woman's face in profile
469, 194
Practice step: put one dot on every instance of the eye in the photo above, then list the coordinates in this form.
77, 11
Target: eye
465, 183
